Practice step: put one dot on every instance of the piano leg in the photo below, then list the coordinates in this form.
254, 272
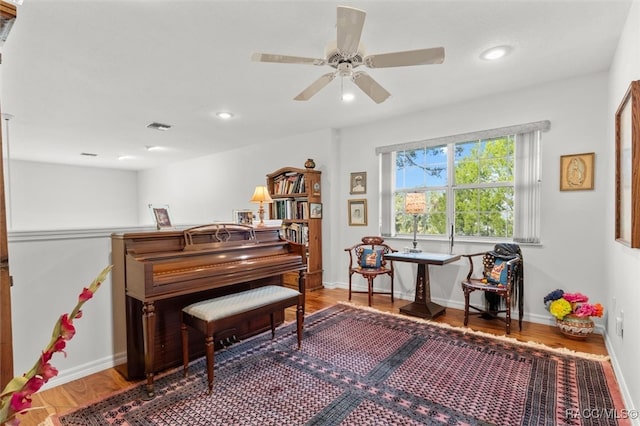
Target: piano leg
148, 330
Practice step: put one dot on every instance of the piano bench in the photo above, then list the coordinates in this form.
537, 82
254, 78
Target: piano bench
223, 312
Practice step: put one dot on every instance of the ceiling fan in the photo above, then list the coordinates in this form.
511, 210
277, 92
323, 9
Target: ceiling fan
347, 53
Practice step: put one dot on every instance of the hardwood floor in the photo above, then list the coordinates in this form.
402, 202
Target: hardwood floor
88, 389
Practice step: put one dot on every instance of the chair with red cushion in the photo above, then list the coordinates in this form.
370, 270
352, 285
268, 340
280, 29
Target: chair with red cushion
367, 259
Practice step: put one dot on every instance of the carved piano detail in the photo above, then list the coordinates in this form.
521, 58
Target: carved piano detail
157, 273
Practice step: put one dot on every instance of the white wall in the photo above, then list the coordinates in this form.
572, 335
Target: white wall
208, 189
623, 264
54, 196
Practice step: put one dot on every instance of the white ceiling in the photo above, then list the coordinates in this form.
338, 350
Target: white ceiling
88, 75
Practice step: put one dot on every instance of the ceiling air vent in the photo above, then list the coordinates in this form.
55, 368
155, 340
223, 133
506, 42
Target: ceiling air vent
159, 126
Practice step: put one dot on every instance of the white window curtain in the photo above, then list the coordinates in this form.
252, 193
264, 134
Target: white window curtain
527, 175
526, 226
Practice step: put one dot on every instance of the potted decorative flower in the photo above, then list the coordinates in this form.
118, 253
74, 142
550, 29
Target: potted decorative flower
572, 312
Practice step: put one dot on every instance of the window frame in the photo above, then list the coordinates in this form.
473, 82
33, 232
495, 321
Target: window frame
526, 181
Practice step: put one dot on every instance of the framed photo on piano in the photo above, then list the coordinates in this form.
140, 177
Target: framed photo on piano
243, 217
161, 215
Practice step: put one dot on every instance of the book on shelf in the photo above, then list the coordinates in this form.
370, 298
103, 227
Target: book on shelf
291, 209
296, 232
289, 183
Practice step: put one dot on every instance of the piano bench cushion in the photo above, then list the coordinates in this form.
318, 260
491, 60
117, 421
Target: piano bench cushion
232, 304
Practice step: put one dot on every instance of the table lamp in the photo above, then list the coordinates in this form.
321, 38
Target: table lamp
415, 203
261, 195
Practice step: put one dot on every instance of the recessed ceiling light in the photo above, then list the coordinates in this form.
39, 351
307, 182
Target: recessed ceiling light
126, 157
224, 115
155, 148
495, 53
348, 97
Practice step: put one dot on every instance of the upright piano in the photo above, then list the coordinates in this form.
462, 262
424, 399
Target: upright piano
155, 274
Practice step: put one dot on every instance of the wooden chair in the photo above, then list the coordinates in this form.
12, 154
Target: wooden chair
367, 259
502, 282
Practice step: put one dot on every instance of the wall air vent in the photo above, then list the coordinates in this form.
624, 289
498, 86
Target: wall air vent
159, 126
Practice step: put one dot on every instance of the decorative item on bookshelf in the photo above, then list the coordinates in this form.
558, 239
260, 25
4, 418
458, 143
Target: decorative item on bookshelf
310, 164
316, 211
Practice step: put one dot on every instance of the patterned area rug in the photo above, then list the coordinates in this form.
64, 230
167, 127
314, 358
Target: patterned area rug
360, 366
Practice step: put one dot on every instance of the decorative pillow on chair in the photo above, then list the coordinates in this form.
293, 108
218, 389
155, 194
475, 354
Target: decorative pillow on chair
498, 274
371, 258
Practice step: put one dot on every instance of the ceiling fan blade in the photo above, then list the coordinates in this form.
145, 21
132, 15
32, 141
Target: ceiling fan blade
369, 86
315, 87
350, 23
284, 59
434, 55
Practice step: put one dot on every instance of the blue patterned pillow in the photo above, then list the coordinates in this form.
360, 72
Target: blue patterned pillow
498, 274
371, 258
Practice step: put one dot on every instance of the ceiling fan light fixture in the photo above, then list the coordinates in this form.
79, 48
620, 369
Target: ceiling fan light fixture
348, 97
224, 115
495, 53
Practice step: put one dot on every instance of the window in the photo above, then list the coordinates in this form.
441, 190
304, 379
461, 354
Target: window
481, 185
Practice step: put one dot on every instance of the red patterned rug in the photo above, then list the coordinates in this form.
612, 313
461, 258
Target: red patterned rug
359, 366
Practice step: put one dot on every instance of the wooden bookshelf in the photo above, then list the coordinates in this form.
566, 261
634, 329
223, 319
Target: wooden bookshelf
297, 201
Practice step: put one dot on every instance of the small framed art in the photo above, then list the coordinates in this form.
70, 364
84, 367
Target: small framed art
357, 212
161, 215
358, 183
576, 171
315, 210
243, 217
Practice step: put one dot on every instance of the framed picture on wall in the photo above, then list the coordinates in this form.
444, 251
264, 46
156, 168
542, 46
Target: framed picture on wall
628, 168
576, 171
357, 212
161, 215
358, 183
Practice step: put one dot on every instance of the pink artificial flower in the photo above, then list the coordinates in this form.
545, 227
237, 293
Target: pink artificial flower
47, 371
20, 401
67, 330
575, 297
584, 310
59, 345
33, 385
85, 295
79, 314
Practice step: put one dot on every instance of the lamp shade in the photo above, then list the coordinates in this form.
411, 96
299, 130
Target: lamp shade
261, 195
415, 203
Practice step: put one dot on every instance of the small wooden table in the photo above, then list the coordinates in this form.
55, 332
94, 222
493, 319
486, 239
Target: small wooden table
422, 306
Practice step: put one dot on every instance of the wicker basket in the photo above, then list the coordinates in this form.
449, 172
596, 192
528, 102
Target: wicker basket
575, 327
